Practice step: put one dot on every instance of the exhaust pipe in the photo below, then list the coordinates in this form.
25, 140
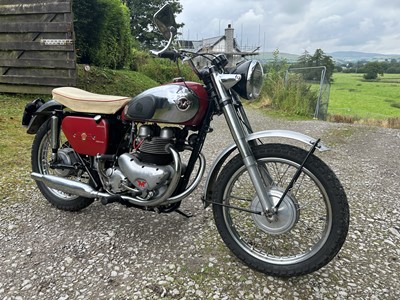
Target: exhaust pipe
68, 186
85, 190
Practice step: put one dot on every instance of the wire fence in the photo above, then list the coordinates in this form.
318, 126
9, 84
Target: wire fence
315, 76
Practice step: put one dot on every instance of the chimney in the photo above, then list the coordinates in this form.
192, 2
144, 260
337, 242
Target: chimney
229, 32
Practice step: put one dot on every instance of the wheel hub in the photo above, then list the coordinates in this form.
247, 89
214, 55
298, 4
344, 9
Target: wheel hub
66, 156
283, 220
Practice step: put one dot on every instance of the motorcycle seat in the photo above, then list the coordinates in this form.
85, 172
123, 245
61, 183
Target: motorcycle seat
83, 101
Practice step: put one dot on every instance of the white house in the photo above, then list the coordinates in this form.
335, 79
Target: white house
225, 44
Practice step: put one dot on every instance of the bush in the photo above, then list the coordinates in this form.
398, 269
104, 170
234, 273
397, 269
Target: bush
102, 29
160, 70
292, 94
87, 20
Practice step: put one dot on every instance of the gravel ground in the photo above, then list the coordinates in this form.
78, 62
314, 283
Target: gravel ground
111, 252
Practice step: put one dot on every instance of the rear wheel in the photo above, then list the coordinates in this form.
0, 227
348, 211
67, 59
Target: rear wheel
310, 226
41, 159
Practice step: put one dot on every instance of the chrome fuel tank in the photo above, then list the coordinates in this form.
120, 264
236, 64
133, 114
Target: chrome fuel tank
174, 103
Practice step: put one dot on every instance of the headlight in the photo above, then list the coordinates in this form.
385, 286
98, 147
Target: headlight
249, 87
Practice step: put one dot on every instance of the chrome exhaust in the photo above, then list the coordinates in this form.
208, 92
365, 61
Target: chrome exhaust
68, 186
85, 190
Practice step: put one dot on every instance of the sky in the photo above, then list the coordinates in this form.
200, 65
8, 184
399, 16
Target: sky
293, 26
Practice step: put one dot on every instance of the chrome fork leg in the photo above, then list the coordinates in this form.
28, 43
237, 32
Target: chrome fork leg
248, 130
239, 135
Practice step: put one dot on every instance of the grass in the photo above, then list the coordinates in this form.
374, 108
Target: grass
112, 82
15, 148
352, 97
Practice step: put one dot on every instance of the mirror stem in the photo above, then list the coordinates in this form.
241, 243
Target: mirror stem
157, 53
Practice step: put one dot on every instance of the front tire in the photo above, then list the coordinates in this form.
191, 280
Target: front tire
311, 224
40, 159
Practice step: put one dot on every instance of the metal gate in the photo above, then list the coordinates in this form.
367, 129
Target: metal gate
321, 109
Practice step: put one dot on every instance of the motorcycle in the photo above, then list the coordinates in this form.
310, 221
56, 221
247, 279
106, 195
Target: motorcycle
279, 208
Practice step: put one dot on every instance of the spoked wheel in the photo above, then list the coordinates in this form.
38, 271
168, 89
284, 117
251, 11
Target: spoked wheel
41, 161
310, 226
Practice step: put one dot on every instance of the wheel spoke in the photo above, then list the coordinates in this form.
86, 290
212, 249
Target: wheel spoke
301, 238
303, 226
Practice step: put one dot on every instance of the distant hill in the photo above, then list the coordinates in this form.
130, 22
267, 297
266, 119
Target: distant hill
352, 56
265, 57
338, 56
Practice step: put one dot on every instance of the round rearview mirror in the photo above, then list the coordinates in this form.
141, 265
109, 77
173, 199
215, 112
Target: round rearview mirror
165, 21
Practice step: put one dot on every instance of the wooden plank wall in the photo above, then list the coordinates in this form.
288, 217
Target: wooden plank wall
36, 46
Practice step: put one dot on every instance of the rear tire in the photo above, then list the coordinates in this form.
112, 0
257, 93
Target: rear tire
40, 159
311, 224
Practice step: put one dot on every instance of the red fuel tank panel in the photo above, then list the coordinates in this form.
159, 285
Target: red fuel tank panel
85, 135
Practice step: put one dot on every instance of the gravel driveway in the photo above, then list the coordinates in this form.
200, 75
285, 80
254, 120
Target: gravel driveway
110, 252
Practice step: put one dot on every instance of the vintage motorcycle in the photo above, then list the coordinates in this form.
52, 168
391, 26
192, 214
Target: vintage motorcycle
278, 207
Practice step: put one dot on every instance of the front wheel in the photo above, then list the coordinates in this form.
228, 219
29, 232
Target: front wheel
310, 226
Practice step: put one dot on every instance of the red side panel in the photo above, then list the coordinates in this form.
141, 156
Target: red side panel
85, 135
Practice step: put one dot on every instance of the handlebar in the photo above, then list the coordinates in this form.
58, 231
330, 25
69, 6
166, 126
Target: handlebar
170, 54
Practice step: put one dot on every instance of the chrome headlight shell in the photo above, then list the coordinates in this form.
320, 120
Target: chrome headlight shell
249, 87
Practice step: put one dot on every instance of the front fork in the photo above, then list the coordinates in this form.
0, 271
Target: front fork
239, 134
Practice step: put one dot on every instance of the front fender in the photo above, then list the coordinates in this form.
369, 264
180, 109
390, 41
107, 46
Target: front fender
41, 115
224, 154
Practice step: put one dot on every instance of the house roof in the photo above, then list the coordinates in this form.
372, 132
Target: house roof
205, 44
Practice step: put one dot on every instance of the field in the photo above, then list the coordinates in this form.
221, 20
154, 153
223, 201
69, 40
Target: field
351, 96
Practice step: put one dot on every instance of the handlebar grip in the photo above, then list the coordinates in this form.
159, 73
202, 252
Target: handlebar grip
170, 54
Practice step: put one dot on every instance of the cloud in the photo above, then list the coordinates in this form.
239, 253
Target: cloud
293, 26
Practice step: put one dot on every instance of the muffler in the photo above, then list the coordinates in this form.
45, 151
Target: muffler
85, 190
68, 186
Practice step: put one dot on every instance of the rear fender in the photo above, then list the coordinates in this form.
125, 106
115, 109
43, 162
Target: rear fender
41, 115
224, 154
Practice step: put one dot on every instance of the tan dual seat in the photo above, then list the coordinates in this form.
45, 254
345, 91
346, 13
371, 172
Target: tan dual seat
83, 101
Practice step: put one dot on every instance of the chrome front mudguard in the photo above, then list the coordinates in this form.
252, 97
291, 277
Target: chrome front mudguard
221, 158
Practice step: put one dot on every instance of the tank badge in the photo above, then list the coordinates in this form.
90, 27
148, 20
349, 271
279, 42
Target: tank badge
183, 104
83, 136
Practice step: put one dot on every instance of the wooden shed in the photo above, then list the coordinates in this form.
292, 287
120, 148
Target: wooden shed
36, 46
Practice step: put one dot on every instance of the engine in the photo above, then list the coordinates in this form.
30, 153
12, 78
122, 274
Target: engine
146, 171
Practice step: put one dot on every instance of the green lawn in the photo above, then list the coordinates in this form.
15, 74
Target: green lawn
351, 95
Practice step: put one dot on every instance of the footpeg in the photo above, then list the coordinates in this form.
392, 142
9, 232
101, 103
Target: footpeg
186, 215
111, 199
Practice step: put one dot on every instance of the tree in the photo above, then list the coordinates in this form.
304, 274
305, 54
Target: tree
87, 19
318, 59
102, 31
304, 60
142, 12
114, 33
372, 70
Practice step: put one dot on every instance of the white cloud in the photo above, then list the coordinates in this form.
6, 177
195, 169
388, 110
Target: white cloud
292, 26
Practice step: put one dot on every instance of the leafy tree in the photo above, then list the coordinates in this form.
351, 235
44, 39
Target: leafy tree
87, 20
318, 59
102, 31
115, 35
304, 60
142, 12
372, 70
